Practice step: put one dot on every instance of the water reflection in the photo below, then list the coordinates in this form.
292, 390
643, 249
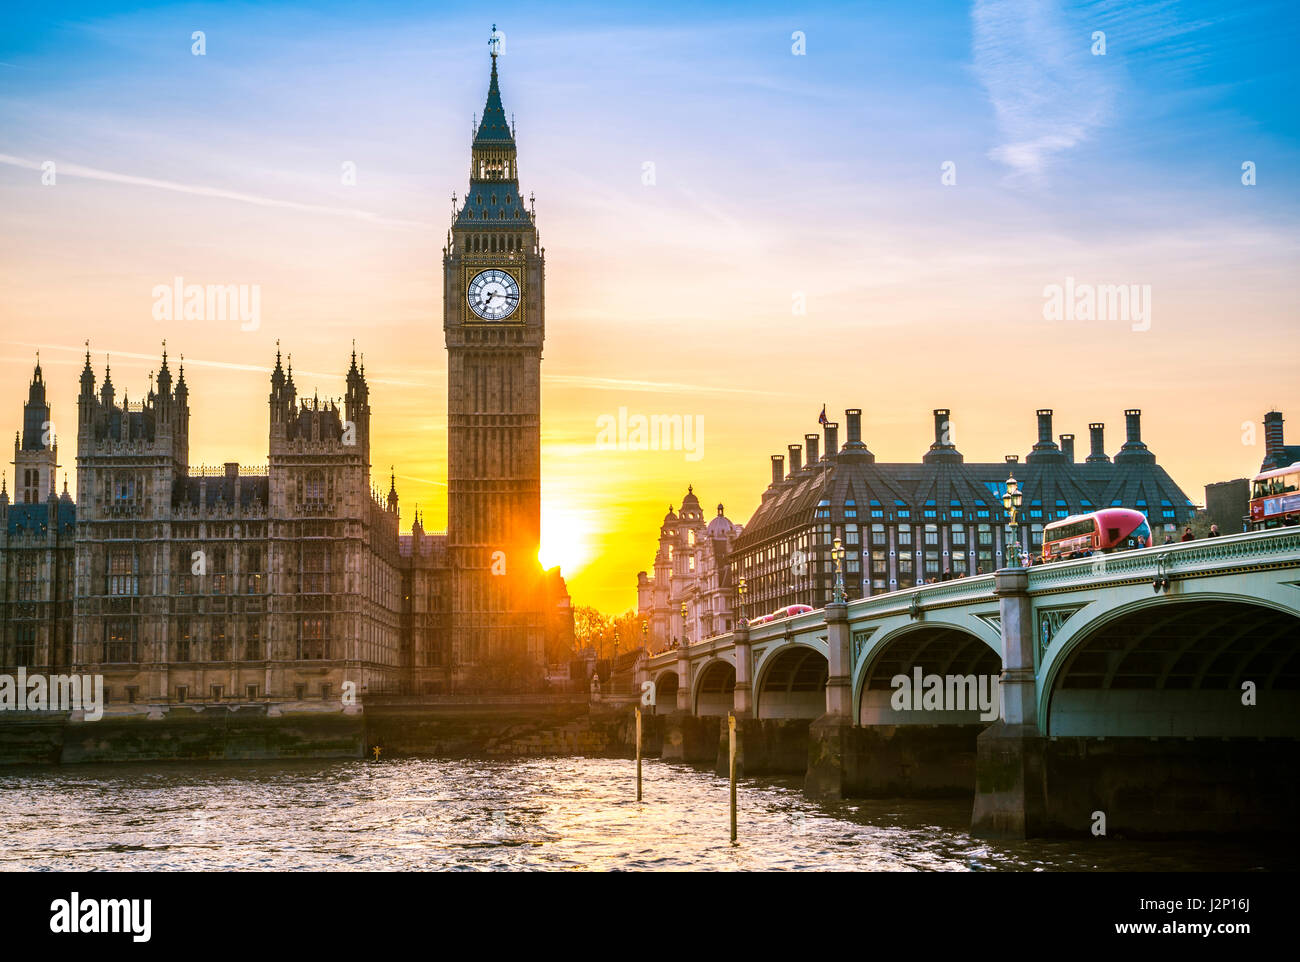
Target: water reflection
555, 813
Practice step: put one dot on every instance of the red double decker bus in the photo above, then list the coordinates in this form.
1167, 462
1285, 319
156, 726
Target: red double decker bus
1110, 529
1275, 497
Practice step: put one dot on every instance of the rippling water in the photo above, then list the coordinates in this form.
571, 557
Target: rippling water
555, 813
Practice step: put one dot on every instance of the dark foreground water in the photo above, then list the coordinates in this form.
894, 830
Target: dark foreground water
555, 813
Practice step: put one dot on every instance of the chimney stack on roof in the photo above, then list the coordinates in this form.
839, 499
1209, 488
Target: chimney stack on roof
1067, 447
795, 451
778, 469
1098, 431
811, 444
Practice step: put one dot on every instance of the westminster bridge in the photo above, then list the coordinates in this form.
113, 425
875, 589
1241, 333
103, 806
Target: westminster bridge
1159, 687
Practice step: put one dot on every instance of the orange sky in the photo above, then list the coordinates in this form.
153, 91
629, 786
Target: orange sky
672, 298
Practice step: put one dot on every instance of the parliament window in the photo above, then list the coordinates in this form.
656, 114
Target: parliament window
26, 642
312, 642
220, 648
119, 640
123, 572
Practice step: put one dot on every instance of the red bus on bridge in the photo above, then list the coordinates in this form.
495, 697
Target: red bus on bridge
1275, 497
1110, 529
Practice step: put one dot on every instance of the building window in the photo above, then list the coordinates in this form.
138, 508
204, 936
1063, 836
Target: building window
905, 534
29, 581
123, 572
932, 534
315, 569
26, 641
879, 563
250, 692
850, 508
958, 535
182, 639
253, 640
119, 641
878, 536
299, 692
324, 692
851, 534
182, 692
312, 643
876, 510
220, 648
216, 692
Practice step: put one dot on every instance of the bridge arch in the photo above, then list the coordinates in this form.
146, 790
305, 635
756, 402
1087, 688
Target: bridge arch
792, 683
964, 660
666, 685
715, 688
1174, 666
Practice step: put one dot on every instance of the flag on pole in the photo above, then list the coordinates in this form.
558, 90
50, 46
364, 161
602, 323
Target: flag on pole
822, 419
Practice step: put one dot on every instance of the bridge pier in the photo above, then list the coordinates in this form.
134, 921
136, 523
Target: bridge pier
833, 763
1010, 777
690, 739
744, 694
683, 679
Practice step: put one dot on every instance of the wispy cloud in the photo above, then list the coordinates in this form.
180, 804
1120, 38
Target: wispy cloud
90, 173
1047, 89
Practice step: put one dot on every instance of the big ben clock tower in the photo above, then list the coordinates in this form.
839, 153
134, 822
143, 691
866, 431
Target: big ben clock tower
493, 318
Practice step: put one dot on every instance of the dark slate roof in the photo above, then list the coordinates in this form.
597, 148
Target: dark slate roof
34, 518
494, 203
493, 129
949, 484
222, 490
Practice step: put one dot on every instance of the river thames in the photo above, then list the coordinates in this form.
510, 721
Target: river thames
552, 813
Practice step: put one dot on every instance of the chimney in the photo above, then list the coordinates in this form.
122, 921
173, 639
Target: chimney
1098, 431
811, 443
1045, 426
778, 469
1274, 447
1134, 450
854, 418
942, 428
795, 451
232, 469
1133, 425
1013, 459
1067, 447
832, 439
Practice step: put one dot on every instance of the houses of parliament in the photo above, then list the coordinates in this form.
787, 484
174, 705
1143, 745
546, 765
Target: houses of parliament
291, 583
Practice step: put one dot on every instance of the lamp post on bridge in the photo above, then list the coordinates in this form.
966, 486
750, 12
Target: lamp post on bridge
742, 589
1011, 502
839, 596
685, 640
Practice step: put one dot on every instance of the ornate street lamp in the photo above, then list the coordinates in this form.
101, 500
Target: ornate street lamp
1011, 501
645, 632
685, 640
742, 589
837, 553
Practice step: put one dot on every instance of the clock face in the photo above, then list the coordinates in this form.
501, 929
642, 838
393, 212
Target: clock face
493, 295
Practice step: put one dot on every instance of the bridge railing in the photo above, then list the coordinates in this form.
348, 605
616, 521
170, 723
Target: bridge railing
1278, 545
